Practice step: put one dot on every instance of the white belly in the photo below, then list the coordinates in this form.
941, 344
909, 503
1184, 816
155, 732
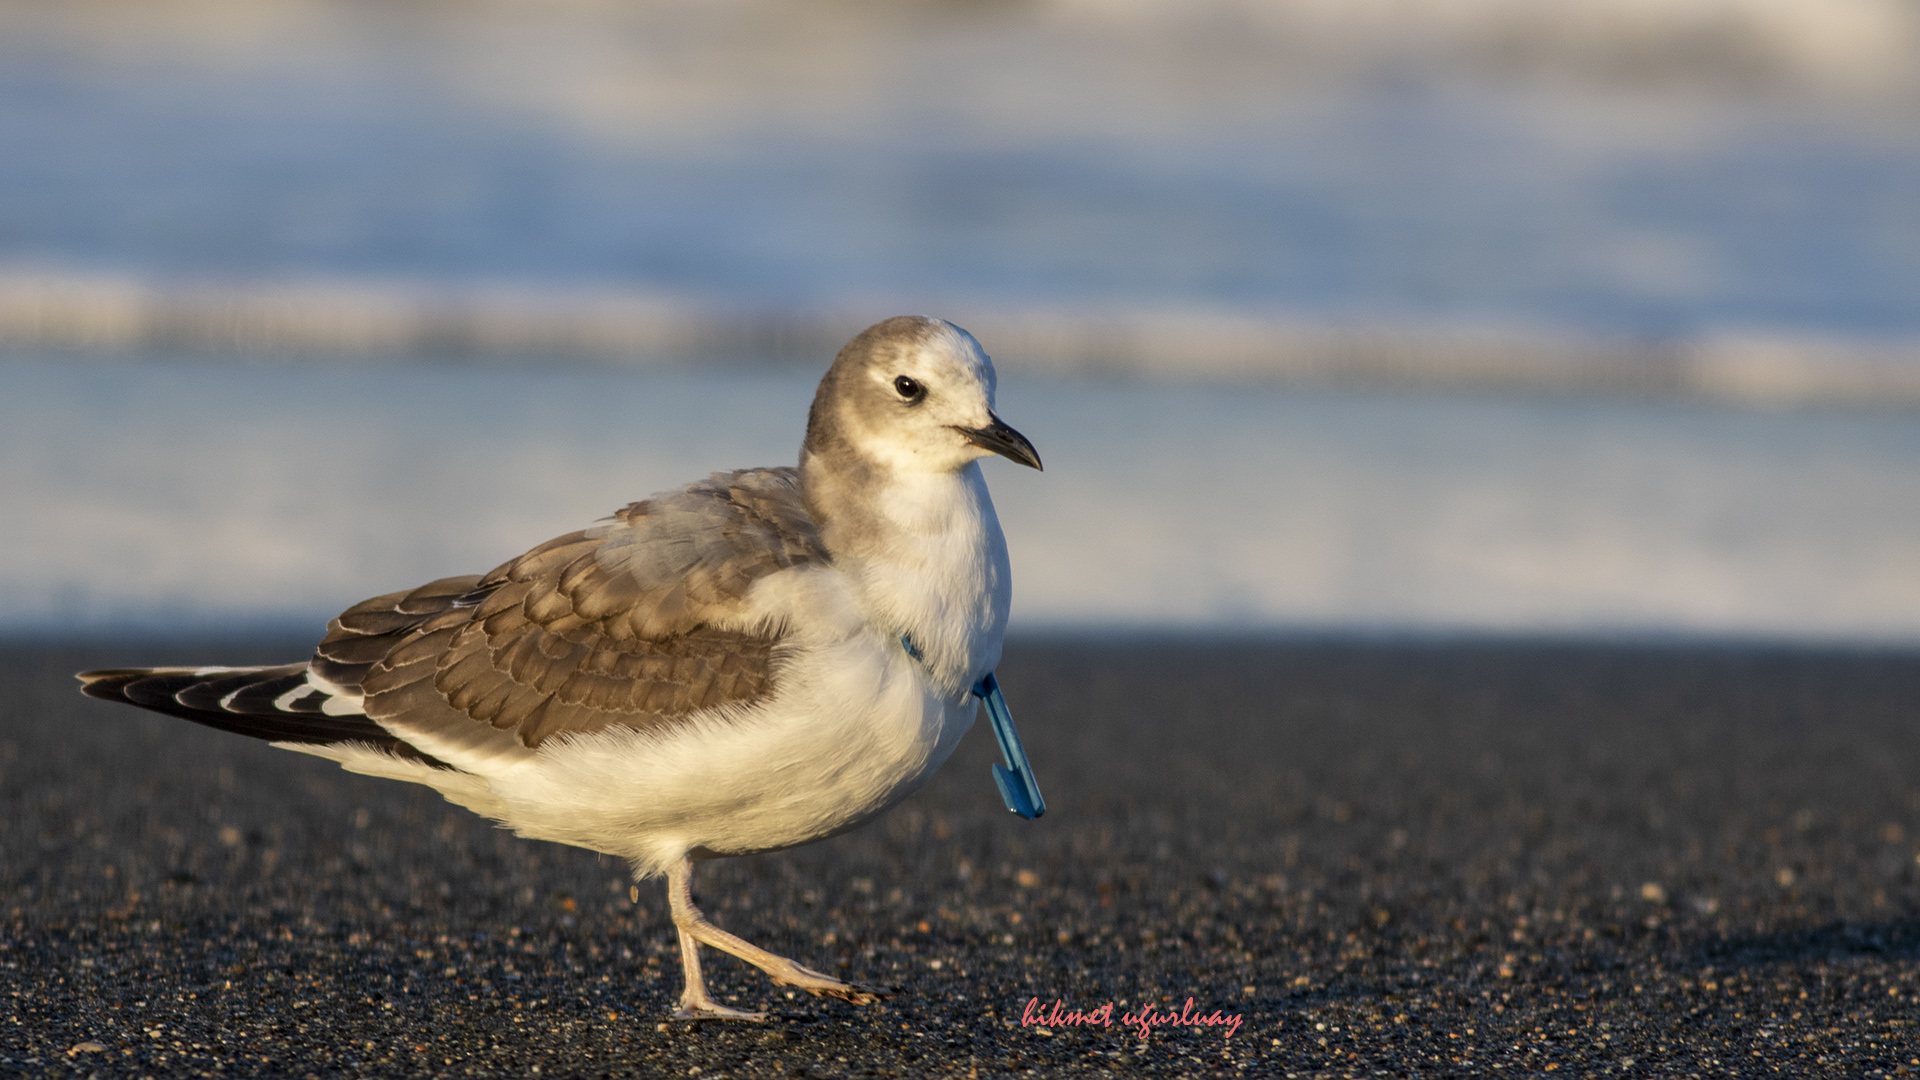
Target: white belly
855, 728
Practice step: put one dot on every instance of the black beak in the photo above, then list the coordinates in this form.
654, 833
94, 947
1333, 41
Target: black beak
1003, 440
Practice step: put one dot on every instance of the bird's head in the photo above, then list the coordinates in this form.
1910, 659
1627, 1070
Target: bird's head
912, 394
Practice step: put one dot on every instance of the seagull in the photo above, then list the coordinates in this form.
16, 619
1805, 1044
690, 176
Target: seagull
754, 661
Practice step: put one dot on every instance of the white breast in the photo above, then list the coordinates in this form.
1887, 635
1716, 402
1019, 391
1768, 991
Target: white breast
943, 577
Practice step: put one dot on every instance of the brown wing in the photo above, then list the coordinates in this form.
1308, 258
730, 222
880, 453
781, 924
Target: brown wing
618, 624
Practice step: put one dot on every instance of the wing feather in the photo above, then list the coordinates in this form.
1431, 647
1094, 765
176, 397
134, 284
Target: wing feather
639, 622
621, 624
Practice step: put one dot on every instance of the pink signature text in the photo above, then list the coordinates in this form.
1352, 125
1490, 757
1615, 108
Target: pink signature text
1144, 1019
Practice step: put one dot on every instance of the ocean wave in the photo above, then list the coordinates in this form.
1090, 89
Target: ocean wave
680, 65
364, 322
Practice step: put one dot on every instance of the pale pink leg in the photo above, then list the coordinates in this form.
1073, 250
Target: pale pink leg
695, 930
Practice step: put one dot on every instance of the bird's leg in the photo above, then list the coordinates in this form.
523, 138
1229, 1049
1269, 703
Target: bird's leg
694, 1002
694, 928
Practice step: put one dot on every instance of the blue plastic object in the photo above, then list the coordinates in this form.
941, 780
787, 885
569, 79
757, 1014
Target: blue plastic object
1018, 789
1015, 779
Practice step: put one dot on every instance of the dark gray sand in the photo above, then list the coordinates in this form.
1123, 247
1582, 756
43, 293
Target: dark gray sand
1382, 858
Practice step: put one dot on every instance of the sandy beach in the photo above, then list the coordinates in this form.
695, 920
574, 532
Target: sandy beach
1417, 857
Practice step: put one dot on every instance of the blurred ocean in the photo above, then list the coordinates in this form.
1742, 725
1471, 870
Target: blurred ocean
142, 494
1508, 315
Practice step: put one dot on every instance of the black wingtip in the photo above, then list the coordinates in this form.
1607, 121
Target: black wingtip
109, 684
243, 701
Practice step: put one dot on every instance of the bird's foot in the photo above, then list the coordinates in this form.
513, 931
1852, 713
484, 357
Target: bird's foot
707, 1010
850, 993
805, 978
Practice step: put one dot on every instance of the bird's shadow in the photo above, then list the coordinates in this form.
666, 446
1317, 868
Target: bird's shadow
1894, 939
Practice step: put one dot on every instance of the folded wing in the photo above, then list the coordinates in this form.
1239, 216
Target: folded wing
638, 622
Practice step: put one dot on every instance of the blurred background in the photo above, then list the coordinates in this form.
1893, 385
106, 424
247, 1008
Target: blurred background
1511, 316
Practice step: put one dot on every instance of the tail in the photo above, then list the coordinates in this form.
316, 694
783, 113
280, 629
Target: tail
278, 704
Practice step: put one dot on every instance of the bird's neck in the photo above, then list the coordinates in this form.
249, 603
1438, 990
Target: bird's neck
925, 556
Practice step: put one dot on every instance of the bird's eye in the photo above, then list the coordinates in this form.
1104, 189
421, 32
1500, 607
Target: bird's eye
908, 388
